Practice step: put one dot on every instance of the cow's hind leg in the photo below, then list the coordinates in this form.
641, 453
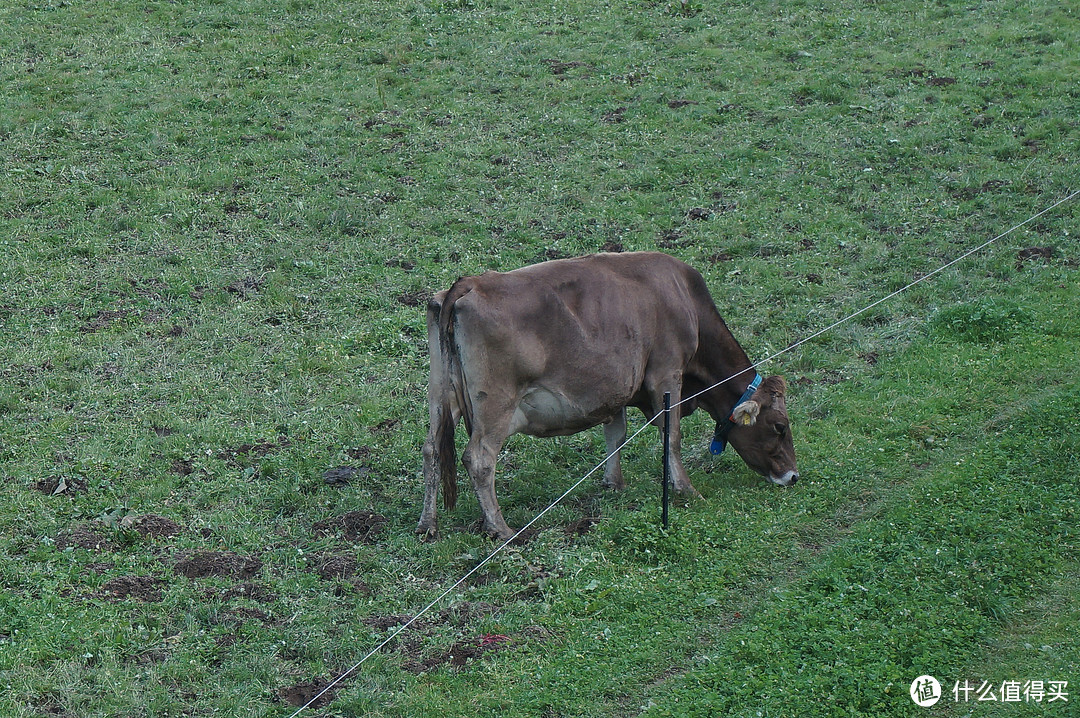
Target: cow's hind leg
428, 527
443, 411
479, 459
614, 436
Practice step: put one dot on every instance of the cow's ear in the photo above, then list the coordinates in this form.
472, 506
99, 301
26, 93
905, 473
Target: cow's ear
746, 413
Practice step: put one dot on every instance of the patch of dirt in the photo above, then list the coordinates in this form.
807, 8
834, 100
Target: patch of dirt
457, 615
251, 591
102, 320
612, 246
722, 203
698, 214
385, 117
414, 298
397, 262
582, 526
303, 694
551, 253
150, 657
386, 426
1031, 254
152, 526
218, 563
941, 81
418, 661
139, 588
870, 358
355, 526
358, 452
335, 566
241, 455
182, 467
671, 239
239, 615
677, 104
84, 538
243, 288
343, 475
56, 485
559, 68
615, 116
351, 587
966, 193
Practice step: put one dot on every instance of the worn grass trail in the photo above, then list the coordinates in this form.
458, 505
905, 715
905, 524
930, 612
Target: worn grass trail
220, 221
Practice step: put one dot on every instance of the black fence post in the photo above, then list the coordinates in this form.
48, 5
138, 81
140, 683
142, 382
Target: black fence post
667, 456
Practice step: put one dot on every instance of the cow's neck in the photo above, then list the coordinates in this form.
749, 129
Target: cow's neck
719, 357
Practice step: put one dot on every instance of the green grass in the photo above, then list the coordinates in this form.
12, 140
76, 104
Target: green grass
218, 224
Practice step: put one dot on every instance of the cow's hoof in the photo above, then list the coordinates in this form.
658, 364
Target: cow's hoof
427, 533
502, 534
688, 492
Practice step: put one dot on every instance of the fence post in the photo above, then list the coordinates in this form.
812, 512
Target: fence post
667, 456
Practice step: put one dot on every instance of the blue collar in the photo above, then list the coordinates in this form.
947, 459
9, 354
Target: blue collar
723, 428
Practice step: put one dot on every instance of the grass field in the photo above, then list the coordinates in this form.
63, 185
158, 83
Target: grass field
219, 225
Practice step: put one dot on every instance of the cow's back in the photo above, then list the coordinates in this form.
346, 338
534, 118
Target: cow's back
563, 345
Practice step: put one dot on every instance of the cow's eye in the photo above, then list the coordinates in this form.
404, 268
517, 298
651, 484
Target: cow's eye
780, 429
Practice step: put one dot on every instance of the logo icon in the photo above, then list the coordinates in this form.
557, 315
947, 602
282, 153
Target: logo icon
925, 691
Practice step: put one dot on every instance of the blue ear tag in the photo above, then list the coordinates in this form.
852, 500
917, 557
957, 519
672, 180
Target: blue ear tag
717, 447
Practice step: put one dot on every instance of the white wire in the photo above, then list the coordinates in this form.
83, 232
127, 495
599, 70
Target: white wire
596, 468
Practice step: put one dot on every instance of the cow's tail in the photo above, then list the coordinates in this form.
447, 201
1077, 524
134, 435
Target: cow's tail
454, 381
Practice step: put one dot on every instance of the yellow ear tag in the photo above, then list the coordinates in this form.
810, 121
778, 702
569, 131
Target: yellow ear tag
746, 420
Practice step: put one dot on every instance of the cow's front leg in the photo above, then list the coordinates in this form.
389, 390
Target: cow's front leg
614, 436
479, 459
680, 481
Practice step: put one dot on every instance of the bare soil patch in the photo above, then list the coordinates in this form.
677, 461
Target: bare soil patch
614, 117
335, 566
246, 286
303, 694
153, 526
419, 659
241, 455
582, 526
1031, 254
414, 297
56, 485
139, 588
85, 538
355, 526
344, 475
102, 320
218, 563
560, 68
250, 591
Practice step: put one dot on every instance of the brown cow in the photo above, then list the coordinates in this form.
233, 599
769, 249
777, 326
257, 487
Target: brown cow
558, 347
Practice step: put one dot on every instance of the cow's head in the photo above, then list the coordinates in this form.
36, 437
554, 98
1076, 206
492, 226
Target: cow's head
761, 433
